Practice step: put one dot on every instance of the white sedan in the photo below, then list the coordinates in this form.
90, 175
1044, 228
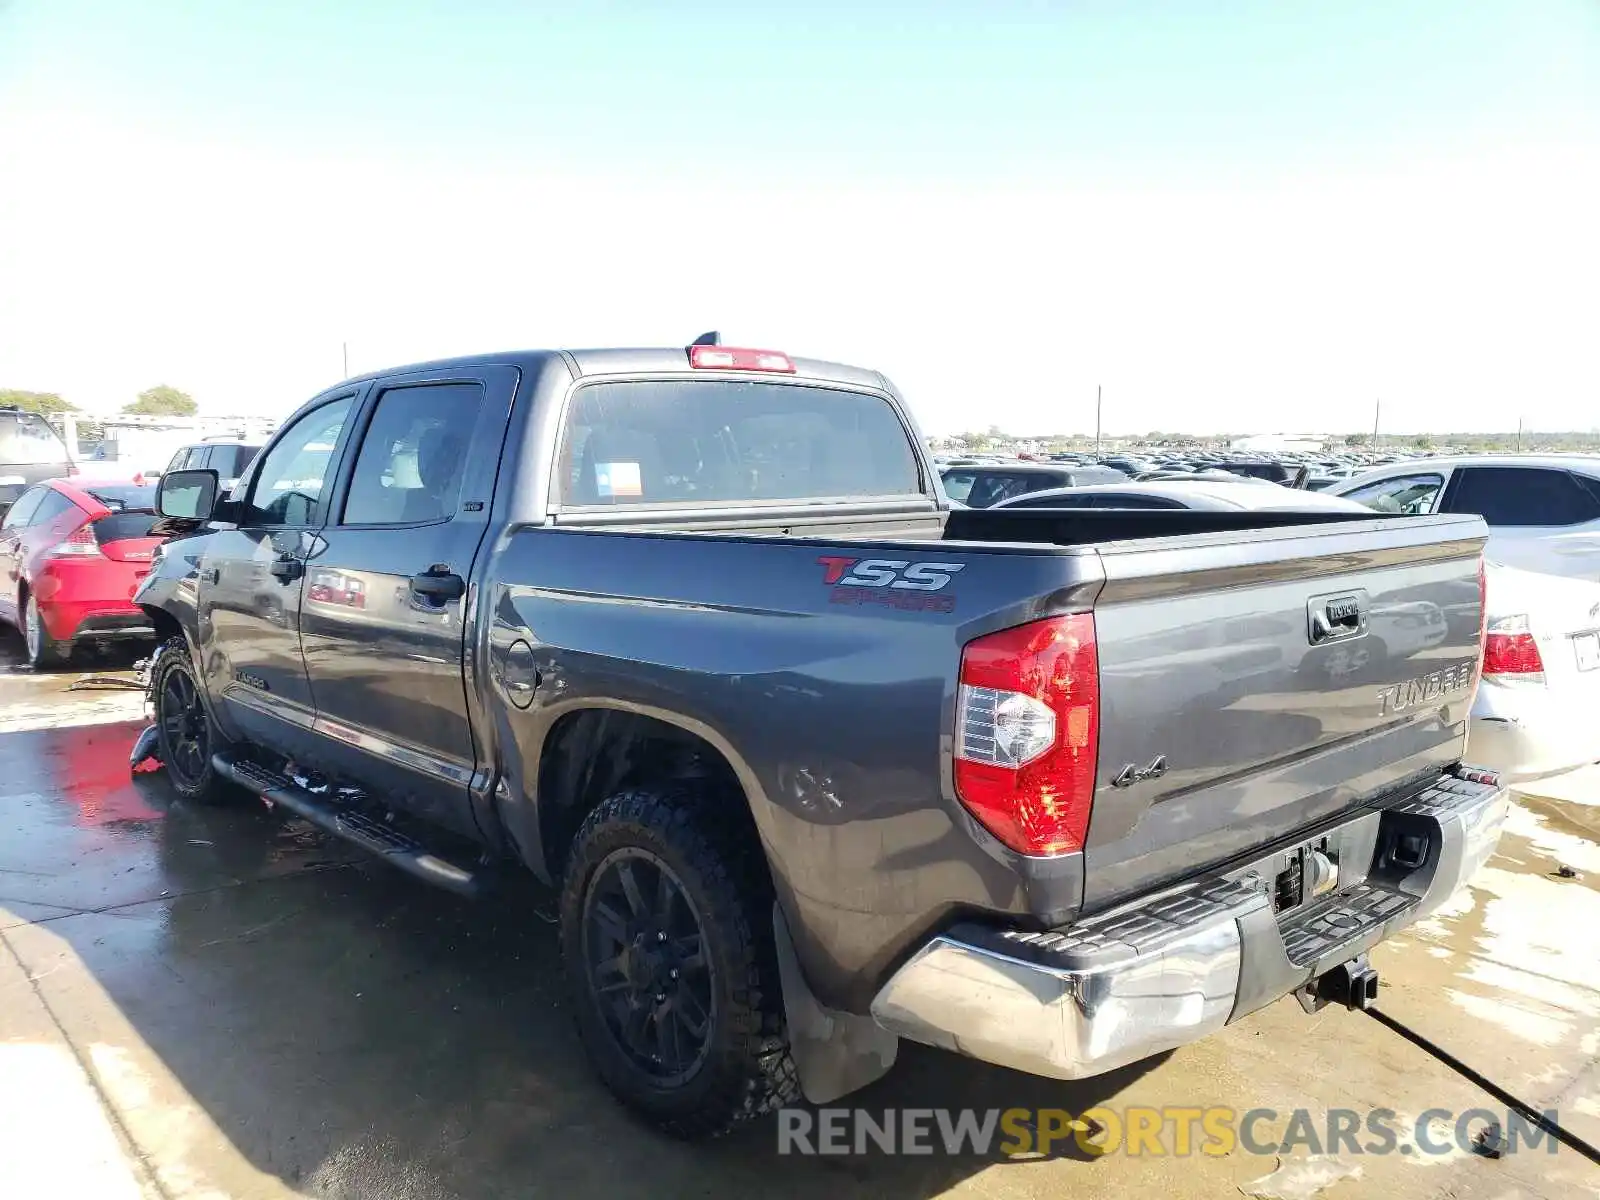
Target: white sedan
1537, 711
1543, 511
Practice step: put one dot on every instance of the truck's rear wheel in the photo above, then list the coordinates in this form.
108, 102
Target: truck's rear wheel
186, 735
665, 937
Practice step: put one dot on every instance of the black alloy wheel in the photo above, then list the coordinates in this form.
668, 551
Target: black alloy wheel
646, 966
185, 728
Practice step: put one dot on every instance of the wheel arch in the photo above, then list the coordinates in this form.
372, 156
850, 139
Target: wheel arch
595, 749
166, 626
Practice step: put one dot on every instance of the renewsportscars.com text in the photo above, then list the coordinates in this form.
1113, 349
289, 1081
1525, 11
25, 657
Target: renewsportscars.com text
1169, 1131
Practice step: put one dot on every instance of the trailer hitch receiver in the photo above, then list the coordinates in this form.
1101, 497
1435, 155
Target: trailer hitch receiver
1353, 984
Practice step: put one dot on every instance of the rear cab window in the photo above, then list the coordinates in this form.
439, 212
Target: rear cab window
695, 442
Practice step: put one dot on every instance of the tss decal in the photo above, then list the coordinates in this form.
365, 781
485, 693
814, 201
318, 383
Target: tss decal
892, 582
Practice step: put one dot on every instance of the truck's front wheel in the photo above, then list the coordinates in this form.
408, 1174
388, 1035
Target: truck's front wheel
665, 937
186, 735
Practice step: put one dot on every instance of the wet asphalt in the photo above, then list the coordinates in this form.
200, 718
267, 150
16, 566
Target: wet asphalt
226, 1003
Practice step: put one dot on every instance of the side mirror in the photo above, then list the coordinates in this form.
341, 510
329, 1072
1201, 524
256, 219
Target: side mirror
187, 495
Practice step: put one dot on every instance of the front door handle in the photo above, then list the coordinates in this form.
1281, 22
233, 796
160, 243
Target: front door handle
438, 587
287, 568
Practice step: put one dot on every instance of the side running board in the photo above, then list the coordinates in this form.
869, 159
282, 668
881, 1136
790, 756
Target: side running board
351, 824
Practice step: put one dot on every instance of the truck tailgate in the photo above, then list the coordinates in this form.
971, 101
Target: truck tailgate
1254, 685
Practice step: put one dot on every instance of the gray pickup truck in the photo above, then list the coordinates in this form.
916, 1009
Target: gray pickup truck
816, 762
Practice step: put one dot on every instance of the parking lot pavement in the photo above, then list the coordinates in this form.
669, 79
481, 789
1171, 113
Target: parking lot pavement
223, 1003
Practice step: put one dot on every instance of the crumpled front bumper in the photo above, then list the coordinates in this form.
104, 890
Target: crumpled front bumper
1175, 966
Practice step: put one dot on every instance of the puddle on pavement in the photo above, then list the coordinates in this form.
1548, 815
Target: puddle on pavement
1566, 816
1518, 950
81, 831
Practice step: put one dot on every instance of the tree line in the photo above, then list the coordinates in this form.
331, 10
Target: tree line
1466, 443
158, 401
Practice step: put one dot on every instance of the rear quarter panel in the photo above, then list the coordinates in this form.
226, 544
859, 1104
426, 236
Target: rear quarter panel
834, 710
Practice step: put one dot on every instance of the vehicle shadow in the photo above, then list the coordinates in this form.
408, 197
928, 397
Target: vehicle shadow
354, 1033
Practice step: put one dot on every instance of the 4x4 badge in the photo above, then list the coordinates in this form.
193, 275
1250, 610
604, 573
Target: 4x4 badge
1130, 774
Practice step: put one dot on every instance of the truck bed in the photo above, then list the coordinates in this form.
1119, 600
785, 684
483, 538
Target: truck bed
836, 703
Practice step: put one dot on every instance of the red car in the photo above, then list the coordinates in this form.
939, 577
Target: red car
71, 555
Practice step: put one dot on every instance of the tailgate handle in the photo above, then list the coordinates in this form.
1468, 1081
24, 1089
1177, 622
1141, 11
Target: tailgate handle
1334, 617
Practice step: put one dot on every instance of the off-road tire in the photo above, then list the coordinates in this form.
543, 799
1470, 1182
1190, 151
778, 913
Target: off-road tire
747, 1069
197, 782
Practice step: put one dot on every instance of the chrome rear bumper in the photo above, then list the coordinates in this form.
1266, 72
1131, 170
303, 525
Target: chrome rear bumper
1171, 968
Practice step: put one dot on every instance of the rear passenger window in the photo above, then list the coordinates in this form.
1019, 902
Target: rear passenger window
1522, 496
704, 441
413, 456
21, 513
51, 505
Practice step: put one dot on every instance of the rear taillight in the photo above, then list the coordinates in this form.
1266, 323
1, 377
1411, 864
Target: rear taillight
80, 544
727, 358
1509, 649
1028, 733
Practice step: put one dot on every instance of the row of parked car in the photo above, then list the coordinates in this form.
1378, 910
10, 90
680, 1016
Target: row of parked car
74, 546
1541, 678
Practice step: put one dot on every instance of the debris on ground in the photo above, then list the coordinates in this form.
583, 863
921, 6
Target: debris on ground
1490, 1141
1301, 1178
144, 757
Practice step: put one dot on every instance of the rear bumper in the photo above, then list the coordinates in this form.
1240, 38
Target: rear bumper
1171, 968
90, 599
1526, 732
95, 619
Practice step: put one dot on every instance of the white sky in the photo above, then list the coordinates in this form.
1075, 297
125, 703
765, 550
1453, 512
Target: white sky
1462, 286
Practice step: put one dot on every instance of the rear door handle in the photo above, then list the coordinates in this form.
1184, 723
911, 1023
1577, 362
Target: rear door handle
440, 588
287, 568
